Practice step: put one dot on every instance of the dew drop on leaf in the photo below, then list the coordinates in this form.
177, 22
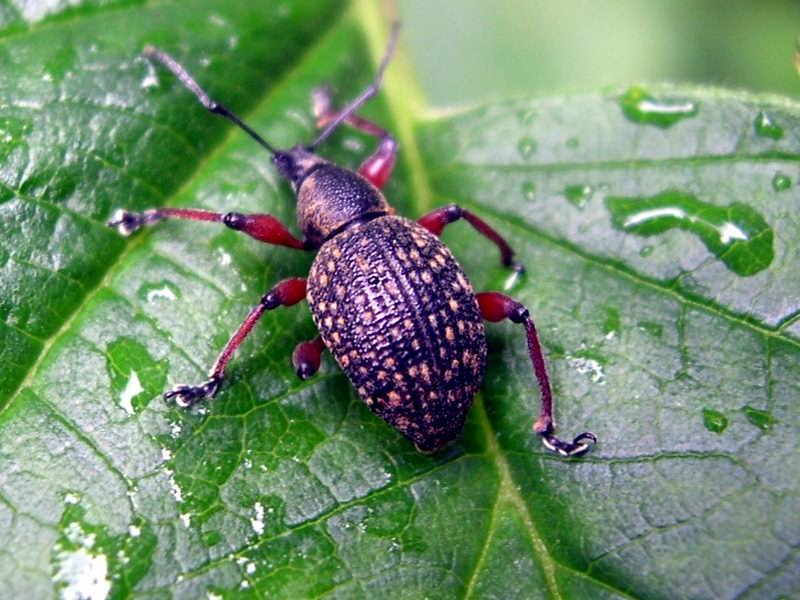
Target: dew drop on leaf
766, 127
612, 324
578, 195
527, 147
640, 107
781, 182
737, 234
760, 418
529, 190
714, 420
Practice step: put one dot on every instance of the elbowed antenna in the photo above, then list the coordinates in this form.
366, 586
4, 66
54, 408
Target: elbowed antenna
190, 84
362, 98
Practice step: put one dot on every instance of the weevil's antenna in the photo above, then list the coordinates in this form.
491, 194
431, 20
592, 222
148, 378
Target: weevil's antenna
362, 98
189, 83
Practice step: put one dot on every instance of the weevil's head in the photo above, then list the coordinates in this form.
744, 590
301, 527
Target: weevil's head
296, 164
328, 197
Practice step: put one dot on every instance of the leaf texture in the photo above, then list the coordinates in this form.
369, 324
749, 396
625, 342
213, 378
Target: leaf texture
685, 369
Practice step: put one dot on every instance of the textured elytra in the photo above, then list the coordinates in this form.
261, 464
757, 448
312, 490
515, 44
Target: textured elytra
400, 317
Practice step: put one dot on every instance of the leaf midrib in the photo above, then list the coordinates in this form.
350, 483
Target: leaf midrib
508, 492
112, 267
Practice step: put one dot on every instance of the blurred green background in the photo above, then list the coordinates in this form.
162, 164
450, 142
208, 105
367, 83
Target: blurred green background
474, 51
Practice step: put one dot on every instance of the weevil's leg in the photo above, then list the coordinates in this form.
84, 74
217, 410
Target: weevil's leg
264, 228
306, 357
378, 166
497, 307
436, 220
287, 293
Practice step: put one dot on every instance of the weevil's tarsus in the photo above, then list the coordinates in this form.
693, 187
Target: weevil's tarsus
187, 395
579, 446
286, 293
190, 84
364, 96
498, 307
307, 356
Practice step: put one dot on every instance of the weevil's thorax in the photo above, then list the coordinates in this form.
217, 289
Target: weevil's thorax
329, 198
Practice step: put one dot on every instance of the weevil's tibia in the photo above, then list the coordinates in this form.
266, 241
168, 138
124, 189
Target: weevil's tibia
307, 356
287, 293
190, 84
262, 227
364, 96
436, 220
497, 307
378, 166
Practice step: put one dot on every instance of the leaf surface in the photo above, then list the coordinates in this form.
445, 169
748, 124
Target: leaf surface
686, 369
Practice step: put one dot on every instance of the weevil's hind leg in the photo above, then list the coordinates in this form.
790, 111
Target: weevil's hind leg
307, 356
286, 293
265, 228
497, 307
436, 220
378, 166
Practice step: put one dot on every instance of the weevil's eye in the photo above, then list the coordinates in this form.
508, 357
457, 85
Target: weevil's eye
285, 164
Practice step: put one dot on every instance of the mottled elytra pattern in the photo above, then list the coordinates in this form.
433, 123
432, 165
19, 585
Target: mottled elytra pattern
398, 314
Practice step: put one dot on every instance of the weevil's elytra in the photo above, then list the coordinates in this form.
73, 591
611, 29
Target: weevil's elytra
414, 351
389, 299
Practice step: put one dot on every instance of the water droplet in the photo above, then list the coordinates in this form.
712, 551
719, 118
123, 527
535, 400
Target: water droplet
736, 234
639, 107
766, 127
132, 389
781, 182
136, 378
159, 292
760, 418
573, 143
612, 324
526, 115
589, 362
578, 195
714, 420
527, 147
654, 329
529, 190
211, 538
646, 250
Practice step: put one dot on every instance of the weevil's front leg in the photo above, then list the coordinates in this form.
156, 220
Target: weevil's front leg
497, 307
307, 356
264, 228
377, 168
436, 220
287, 293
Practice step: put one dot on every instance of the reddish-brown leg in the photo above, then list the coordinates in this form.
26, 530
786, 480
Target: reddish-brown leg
264, 228
497, 307
306, 357
378, 167
287, 293
436, 220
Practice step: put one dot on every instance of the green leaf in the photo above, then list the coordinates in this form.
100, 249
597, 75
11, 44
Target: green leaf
681, 354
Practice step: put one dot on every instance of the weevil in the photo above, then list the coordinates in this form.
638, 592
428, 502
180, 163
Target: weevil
391, 303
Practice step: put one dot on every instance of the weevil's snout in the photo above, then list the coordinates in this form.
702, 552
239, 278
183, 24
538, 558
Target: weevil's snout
296, 164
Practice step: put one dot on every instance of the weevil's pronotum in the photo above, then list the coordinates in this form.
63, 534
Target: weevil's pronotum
390, 301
